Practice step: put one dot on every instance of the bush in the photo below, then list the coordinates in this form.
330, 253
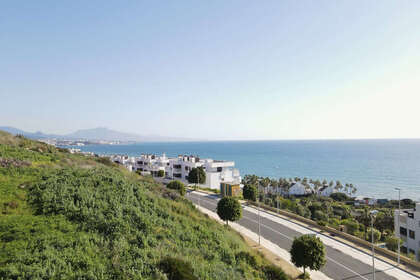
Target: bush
273, 272
322, 223
177, 185
351, 226
376, 235
250, 192
161, 173
177, 269
339, 196
391, 243
247, 258
320, 216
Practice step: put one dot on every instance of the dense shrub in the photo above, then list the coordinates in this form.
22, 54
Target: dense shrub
177, 185
250, 192
351, 226
161, 173
339, 196
320, 216
391, 243
177, 269
376, 235
273, 272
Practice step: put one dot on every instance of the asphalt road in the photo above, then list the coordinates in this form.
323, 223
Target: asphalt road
339, 265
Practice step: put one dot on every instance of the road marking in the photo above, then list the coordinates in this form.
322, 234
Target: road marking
287, 237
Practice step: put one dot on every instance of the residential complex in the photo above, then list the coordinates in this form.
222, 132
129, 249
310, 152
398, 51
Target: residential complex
408, 227
217, 171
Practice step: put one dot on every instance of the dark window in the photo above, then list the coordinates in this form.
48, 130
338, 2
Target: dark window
219, 169
186, 168
412, 251
177, 166
403, 231
412, 234
177, 175
403, 249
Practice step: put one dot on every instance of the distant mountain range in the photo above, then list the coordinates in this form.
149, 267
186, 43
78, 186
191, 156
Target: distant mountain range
100, 133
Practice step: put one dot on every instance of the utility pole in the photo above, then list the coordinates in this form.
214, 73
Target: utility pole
277, 197
372, 215
398, 227
198, 182
259, 216
259, 222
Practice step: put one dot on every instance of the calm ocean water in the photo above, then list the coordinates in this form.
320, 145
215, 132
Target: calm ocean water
375, 167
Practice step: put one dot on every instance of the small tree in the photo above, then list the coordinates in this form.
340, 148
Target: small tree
177, 185
376, 235
161, 173
392, 243
250, 192
308, 251
229, 209
197, 175
351, 226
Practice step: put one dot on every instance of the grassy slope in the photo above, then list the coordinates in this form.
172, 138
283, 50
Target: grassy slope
71, 216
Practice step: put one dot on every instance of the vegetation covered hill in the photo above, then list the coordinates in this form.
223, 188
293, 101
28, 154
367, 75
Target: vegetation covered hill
66, 216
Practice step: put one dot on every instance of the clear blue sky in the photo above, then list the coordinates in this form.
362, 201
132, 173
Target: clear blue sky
213, 69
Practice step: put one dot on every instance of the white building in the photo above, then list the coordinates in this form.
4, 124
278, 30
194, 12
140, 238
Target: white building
299, 189
409, 230
178, 168
326, 190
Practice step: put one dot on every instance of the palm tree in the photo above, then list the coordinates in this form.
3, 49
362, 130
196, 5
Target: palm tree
346, 189
353, 189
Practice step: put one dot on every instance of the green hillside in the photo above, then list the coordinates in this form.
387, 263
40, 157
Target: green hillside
66, 216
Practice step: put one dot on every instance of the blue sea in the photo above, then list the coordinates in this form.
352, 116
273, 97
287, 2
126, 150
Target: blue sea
375, 167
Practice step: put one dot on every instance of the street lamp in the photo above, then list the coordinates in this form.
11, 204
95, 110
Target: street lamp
398, 228
372, 216
259, 220
198, 182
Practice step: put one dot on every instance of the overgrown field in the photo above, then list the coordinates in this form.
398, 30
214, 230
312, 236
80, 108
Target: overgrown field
67, 216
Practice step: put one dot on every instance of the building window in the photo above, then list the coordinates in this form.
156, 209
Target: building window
219, 169
412, 251
403, 231
403, 249
412, 234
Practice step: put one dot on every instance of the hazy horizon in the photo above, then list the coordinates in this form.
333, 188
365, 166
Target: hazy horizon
289, 70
